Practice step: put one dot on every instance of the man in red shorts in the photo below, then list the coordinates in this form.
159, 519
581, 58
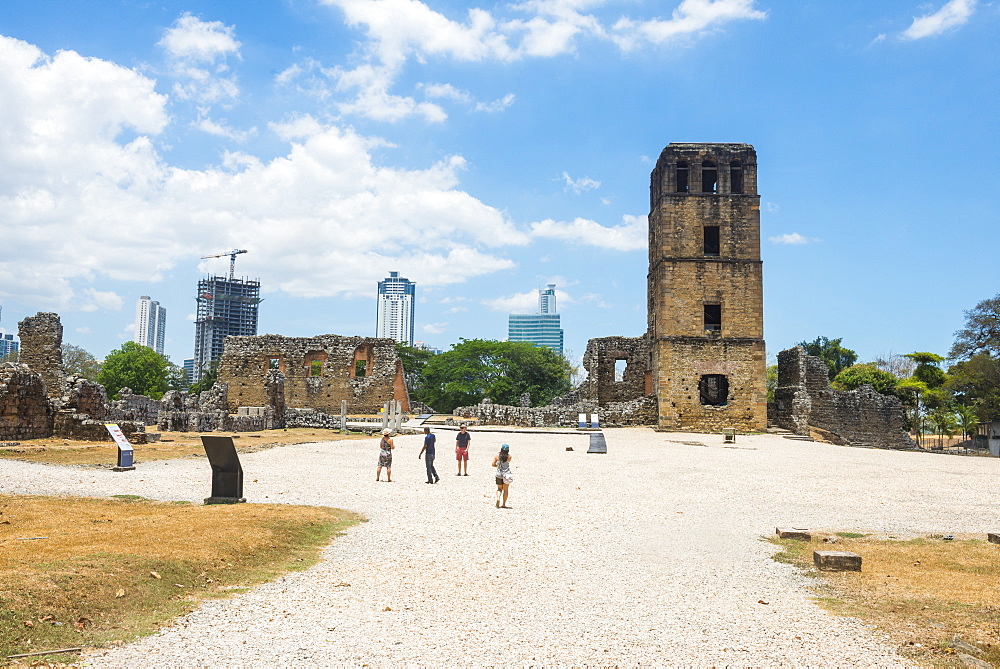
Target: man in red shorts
462, 440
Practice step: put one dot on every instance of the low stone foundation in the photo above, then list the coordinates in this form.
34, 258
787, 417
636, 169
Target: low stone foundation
641, 411
25, 410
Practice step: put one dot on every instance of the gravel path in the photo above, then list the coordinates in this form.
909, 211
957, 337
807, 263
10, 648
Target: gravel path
651, 554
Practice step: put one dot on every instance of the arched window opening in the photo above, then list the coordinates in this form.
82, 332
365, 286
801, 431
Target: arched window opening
713, 390
709, 176
682, 176
736, 177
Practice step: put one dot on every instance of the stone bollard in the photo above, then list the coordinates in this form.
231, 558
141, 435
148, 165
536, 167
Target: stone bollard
837, 561
799, 533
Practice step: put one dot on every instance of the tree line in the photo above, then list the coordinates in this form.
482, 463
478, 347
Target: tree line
938, 401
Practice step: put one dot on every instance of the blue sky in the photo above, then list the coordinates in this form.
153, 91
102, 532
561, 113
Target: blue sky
485, 151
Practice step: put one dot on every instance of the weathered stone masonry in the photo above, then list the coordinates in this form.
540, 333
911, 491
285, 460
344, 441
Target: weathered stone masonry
804, 398
317, 372
705, 289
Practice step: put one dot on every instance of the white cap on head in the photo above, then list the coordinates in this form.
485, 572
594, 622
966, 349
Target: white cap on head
386, 431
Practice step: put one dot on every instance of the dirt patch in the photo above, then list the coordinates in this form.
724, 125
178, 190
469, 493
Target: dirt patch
90, 572
171, 445
922, 591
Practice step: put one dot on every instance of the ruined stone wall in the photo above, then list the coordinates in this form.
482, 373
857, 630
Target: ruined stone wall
319, 372
641, 411
41, 350
601, 385
132, 407
685, 361
804, 398
25, 411
87, 397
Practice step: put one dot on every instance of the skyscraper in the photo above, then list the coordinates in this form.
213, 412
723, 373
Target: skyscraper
225, 307
150, 323
395, 308
541, 329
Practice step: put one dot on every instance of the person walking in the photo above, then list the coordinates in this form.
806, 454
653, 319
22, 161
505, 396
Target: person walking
462, 440
385, 456
504, 476
429, 439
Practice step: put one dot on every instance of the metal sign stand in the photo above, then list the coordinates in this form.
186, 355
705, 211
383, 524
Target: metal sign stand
227, 474
125, 451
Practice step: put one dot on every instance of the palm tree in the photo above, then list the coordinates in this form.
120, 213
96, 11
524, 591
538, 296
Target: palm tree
944, 423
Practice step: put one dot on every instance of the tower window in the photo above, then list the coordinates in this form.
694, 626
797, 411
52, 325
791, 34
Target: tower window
711, 247
709, 176
682, 177
735, 177
713, 318
360, 368
713, 390
620, 365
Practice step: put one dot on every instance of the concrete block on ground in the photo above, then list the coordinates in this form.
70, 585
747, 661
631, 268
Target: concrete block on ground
837, 561
800, 533
993, 537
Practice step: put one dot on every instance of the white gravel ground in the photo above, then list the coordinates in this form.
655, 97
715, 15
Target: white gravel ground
649, 555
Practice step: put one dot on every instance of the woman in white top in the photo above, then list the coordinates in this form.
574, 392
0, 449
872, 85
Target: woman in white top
504, 476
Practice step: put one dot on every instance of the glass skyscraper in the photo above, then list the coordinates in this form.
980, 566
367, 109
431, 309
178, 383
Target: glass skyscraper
396, 297
541, 329
150, 323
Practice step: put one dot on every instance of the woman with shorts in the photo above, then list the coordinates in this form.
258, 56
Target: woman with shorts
504, 476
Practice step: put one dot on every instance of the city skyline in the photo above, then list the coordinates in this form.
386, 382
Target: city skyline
542, 328
150, 323
486, 152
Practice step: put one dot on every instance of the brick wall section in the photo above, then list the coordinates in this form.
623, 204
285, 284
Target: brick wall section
41, 350
804, 398
246, 361
132, 407
683, 278
641, 411
25, 411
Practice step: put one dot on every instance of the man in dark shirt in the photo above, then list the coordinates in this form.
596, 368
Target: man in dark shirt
462, 440
429, 439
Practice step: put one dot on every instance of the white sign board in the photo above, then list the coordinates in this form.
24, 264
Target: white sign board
119, 436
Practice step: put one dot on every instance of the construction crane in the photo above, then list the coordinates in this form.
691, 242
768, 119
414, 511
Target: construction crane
232, 259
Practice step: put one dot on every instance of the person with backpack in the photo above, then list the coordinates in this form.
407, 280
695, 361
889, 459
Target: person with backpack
504, 477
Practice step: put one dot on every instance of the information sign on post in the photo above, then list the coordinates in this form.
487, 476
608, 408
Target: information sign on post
125, 451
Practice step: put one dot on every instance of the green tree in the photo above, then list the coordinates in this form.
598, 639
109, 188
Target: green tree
477, 368
981, 333
927, 369
137, 367
968, 420
910, 392
177, 377
13, 356
207, 380
771, 381
976, 383
856, 376
414, 361
836, 357
79, 362
944, 423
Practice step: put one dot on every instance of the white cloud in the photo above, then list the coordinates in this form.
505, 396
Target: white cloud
398, 31
793, 238
197, 51
519, 303
434, 328
881, 37
211, 127
690, 18
580, 185
191, 39
80, 206
445, 91
953, 14
631, 235
497, 105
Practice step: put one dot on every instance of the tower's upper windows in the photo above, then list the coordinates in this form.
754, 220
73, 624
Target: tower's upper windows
711, 245
682, 176
736, 177
709, 176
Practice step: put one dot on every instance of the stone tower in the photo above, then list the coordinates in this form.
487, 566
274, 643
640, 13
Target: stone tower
706, 324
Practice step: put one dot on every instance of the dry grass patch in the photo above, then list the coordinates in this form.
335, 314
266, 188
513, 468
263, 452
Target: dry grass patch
90, 572
172, 445
922, 591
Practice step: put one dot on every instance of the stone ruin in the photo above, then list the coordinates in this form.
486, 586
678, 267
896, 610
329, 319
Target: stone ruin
316, 373
39, 400
804, 399
616, 388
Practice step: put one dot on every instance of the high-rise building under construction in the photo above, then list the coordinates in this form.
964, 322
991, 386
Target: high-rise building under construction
226, 306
